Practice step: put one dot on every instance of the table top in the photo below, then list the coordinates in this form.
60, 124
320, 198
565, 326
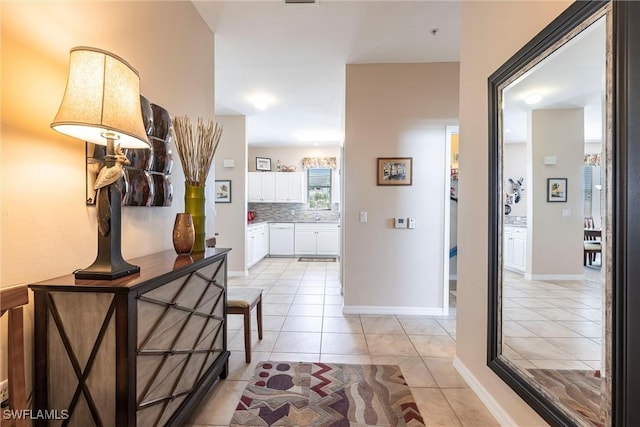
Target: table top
151, 267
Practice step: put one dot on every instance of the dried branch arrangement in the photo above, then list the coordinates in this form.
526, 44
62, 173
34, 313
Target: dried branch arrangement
196, 147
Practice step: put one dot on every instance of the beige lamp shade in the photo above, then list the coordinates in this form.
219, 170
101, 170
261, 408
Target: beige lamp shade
102, 100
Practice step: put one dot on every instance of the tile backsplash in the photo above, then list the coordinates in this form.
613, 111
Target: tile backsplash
282, 212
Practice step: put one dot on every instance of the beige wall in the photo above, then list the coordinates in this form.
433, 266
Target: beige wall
231, 218
396, 110
491, 33
555, 251
47, 230
290, 156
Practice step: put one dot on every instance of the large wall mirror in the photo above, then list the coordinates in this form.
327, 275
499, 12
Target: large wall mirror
551, 275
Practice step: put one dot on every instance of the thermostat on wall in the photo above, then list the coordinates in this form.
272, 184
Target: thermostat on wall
400, 223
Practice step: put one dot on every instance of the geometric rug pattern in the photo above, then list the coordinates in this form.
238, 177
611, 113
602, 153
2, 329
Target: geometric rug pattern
327, 395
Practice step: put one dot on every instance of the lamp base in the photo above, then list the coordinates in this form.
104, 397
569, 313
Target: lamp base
99, 271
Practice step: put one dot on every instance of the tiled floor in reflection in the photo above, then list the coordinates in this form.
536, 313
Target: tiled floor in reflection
554, 324
303, 321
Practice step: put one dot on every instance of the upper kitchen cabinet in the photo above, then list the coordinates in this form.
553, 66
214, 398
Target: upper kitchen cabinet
290, 187
276, 187
262, 187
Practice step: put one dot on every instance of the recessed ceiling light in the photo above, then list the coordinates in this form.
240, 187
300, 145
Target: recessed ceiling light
261, 101
534, 98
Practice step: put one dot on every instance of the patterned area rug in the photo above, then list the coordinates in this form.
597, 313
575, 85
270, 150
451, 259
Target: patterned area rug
327, 395
578, 389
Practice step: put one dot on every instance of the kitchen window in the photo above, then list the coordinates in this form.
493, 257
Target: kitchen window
319, 188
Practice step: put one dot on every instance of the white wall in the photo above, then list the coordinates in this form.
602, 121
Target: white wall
491, 33
396, 110
231, 218
515, 167
47, 230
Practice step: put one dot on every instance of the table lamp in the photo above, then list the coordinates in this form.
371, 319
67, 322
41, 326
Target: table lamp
101, 104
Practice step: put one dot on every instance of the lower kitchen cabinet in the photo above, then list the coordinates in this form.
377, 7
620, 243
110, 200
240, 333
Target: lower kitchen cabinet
515, 249
317, 239
257, 242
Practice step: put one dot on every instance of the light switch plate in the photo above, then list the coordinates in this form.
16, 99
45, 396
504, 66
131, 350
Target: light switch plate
363, 216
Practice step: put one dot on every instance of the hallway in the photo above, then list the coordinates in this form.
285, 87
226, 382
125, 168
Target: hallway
303, 321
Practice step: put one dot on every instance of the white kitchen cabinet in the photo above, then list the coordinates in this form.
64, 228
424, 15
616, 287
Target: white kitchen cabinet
257, 242
262, 187
305, 241
290, 187
317, 239
276, 187
514, 250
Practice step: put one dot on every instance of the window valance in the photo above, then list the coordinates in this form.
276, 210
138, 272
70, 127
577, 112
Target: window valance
592, 159
319, 162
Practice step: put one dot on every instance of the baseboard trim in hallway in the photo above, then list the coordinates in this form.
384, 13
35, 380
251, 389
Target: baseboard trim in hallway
492, 405
394, 311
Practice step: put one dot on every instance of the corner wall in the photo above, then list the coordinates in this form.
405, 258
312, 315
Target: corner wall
491, 33
47, 230
231, 218
396, 110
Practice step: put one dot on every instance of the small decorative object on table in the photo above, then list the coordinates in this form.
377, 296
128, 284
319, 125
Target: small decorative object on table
184, 235
196, 148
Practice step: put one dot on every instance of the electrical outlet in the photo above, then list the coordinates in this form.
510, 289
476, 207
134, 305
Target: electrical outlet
4, 391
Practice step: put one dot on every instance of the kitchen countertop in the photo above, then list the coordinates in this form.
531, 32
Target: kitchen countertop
292, 222
515, 221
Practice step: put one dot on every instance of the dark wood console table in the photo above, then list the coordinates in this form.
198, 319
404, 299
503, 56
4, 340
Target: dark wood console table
140, 350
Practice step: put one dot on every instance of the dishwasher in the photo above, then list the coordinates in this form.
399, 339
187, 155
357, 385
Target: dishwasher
281, 239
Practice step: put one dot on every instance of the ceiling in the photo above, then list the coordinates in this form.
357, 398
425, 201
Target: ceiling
573, 76
294, 56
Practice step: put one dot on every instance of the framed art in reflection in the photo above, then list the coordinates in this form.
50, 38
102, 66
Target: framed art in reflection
556, 189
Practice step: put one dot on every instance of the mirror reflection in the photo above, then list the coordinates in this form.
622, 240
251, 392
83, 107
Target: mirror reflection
554, 282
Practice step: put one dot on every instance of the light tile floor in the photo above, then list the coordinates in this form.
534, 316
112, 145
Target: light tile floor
554, 324
303, 321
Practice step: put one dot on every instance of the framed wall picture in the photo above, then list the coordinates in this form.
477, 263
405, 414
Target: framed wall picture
395, 171
556, 189
263, 164
223, 191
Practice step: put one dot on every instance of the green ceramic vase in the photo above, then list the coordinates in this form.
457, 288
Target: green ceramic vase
194, 204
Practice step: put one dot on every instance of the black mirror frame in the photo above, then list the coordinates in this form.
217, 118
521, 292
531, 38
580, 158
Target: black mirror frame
625, 202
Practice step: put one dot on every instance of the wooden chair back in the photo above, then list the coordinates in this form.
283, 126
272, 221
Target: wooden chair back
11, 301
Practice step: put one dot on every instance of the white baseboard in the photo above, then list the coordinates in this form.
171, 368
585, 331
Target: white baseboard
241, 273
492, 405
558, 277
409, 311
